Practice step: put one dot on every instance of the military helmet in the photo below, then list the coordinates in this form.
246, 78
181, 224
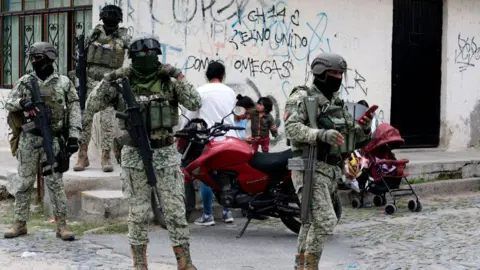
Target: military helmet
43, 48
143, 41
111, 12
328, 61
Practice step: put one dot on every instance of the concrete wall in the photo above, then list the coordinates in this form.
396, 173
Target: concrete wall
460, 82
267, 45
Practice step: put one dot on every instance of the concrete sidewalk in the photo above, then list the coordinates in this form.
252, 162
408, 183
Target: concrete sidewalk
424, 165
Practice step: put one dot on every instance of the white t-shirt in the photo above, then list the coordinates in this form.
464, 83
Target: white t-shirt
218, 100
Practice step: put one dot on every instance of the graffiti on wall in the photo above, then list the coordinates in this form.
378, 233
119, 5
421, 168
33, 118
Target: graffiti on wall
467, 52
266, 45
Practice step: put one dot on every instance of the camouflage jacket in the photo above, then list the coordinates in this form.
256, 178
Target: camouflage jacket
296, 119
105, 95
64, 101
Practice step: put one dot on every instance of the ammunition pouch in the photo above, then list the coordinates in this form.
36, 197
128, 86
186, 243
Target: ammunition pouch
156, 143
324, 121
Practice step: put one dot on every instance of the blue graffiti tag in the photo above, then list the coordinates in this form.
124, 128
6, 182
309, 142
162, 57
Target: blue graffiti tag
165, 48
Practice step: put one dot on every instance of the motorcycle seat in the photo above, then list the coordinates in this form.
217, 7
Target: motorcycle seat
271, 162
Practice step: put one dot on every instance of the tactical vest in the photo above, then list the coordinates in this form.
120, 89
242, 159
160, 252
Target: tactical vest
105, 54
158, 103
336, 116
56, 102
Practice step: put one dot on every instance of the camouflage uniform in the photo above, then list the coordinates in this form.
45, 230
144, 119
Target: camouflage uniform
105, 52
323, 219
165, 159
61, 98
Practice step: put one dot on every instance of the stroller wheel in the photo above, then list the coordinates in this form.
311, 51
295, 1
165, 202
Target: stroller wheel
355, 203
390, 209
412, 205
419, 207
378, 200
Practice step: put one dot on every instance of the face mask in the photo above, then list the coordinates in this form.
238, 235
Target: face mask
42, 68
110, 24
146, 64
328, 86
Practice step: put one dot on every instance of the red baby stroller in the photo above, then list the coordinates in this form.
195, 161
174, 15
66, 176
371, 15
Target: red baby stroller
385, 173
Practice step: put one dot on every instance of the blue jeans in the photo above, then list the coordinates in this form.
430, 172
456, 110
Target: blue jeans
207, 198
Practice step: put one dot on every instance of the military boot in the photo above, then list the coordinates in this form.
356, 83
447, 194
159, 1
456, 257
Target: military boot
18, 228
299, 262
106, 164
184, 261
139, 254
312, 260
82, 161
62, 231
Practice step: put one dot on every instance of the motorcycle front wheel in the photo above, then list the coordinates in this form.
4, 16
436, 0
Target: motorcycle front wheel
294, 224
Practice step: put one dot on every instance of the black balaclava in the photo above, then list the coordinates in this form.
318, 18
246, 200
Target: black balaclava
43, 68
110, 25
327, 84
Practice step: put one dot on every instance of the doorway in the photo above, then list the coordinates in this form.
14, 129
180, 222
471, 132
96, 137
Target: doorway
416, 71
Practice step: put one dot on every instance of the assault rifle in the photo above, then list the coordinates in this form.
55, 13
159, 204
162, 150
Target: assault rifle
41, 122
81, 70
138, 133
307, 162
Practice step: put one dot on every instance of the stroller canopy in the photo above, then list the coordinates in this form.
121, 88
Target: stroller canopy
385, 134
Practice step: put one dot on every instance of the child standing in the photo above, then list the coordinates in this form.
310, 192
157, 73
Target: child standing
262, 124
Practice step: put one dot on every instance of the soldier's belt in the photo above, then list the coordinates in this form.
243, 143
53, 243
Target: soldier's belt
157, 143
333, 160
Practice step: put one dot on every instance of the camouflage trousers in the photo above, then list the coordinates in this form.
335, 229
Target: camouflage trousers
312, 236
171, 190
28, 158
107, 118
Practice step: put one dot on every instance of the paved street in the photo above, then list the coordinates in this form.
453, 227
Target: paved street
443, 236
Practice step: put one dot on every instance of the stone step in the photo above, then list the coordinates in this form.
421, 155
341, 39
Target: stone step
105, 204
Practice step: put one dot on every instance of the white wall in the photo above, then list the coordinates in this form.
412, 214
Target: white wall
460, 69
358, 30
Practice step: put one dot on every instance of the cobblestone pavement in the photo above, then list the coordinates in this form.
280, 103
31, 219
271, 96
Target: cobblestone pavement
443, 236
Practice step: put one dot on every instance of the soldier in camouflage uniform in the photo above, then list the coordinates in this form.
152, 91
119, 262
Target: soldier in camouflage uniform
333, 121
105, 50
151, 82
61, 98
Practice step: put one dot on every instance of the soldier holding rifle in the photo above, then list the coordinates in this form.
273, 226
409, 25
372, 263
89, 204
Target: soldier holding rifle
321, 131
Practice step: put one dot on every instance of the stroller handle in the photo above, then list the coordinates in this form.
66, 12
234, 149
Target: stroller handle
392, 162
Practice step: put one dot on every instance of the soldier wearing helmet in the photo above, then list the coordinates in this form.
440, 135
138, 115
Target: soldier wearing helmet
105, 50
162, 88
61, 100
335, 137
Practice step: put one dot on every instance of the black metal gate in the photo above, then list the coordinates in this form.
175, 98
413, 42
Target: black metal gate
416, 71
20, 29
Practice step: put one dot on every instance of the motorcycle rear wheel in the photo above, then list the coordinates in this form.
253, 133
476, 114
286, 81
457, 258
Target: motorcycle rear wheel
295, 224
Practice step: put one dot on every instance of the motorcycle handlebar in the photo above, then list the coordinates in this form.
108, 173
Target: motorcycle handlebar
214, 131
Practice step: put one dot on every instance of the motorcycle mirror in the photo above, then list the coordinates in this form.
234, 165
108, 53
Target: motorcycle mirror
221, 122
239, 111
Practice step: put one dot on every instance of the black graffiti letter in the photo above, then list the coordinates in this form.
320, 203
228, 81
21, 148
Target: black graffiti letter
184, 10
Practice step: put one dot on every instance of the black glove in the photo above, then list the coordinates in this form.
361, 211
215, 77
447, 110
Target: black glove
72, 145
26, 104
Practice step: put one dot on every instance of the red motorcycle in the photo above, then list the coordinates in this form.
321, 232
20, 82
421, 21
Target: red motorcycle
241, 178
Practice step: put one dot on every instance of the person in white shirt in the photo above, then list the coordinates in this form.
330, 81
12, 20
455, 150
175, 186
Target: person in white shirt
218, 100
